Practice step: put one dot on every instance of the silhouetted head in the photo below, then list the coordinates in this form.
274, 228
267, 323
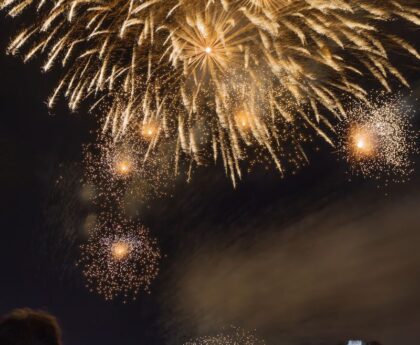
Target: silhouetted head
29, 327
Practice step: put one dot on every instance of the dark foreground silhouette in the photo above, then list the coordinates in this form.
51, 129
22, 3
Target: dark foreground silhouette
29, 327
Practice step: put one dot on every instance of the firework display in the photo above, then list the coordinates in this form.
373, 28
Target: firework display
217, 79
233, 336
119, 259
377, 138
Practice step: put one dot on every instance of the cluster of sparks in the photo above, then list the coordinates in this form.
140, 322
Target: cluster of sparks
234, 336
119, 175
216, 79
378, 139
119, 260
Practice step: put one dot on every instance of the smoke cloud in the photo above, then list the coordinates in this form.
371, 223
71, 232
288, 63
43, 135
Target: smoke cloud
349, 270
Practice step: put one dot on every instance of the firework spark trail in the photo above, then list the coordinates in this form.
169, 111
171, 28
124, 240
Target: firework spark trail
119, 259
189, 67
378, 140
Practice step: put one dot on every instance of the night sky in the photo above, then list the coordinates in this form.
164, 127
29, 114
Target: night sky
309, 259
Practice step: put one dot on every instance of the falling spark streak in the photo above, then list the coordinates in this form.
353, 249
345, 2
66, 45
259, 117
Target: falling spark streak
187, 66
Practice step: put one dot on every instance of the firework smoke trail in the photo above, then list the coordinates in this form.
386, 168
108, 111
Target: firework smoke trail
119, 259
189, 67
338, 267
378, 140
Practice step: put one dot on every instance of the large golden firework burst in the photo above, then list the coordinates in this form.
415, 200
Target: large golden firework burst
218, 78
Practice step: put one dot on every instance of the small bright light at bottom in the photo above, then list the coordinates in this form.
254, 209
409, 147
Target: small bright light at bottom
120, 250
363, 143
355, 342
208, 50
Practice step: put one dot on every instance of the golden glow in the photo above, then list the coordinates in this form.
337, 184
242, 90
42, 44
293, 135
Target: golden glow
243, 119
120, 250
362, 141
124, 167
148, 130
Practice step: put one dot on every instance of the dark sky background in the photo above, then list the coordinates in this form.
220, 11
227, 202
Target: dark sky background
309, 259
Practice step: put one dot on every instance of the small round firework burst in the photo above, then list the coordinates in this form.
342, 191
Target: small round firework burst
129, 169
232, 336
119, 259
113, 161
377, 138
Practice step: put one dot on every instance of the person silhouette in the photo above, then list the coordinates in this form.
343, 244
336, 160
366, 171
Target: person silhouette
29, 327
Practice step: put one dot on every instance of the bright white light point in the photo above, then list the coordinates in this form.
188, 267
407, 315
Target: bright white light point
208, 50
355, 342
360, 144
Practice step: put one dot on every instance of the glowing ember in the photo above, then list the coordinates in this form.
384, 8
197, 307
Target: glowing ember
363, 142
120, 250
123, 167
243, 119
148, 131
